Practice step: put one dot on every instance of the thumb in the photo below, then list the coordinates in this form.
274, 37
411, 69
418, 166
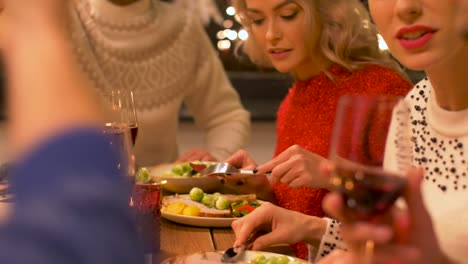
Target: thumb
420, 220
415, 202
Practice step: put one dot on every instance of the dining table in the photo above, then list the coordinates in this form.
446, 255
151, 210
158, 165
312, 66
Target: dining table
178, 239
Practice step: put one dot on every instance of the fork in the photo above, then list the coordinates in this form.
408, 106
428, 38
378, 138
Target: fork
224, 168
233, 252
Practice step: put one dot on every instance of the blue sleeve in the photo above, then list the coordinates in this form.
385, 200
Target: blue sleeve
71, 205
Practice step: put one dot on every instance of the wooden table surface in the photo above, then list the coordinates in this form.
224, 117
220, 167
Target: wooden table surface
177, 239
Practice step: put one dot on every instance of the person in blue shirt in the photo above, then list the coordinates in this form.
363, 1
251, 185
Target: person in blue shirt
71, 201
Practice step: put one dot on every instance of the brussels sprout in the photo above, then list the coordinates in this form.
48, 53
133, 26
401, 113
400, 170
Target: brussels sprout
222, 203
208, 200
177, 170
282, 260
216, 195
142, 176
259, 259
186, 166
196, 194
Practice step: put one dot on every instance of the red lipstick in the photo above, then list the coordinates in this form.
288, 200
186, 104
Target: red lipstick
415, 37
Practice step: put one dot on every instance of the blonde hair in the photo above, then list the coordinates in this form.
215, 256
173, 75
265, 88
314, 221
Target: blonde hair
340, 30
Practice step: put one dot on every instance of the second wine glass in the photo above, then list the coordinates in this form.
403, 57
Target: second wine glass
358, 148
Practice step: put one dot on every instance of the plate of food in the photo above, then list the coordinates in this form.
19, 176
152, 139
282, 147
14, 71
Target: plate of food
247, 257
207, 210
180, 177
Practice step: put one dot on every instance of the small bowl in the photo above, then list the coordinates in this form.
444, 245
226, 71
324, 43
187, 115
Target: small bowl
182, 184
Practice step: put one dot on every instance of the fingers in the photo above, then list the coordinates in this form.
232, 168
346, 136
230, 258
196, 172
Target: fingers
272, 164
296, 170
326, 167
413, 194
242, 229
282, 172
260, 217
242, 159
281, 158
298, 182
362, 231
421, 224
333, 205
416, 208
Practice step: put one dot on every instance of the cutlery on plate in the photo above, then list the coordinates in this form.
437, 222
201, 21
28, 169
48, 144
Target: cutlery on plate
221, 169
232, 253
197, 167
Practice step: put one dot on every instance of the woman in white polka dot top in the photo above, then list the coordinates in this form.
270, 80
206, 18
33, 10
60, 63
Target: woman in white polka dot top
422, 36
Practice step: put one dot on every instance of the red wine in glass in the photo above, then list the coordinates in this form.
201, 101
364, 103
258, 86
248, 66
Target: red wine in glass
134, 133
367, 192
358, 149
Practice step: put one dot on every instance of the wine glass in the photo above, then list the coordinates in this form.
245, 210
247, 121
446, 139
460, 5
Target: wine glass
121, 126
124, 101
358, 150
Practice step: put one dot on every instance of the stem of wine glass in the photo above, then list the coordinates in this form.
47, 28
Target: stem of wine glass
368, 251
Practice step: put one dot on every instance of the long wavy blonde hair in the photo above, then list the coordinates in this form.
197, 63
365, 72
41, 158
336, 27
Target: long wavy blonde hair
341, 30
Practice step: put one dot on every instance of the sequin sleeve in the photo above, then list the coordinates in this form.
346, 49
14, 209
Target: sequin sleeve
331, 240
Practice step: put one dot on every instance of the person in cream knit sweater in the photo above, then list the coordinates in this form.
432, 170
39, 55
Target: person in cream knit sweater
161, 52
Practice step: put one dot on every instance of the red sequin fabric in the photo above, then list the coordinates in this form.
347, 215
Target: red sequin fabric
305, 118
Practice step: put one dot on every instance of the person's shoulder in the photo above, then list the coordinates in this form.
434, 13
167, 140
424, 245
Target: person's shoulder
384, 79
383, 71
375, 79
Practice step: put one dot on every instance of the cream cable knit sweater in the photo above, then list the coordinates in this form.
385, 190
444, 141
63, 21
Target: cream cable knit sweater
162, 53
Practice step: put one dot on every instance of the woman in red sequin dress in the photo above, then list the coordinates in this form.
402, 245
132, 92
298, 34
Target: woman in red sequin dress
331, 48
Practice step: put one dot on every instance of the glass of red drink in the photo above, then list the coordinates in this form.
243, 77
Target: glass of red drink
358, 148
145, 202
358, 151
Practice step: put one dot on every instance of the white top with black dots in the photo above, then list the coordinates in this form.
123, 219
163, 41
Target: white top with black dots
439, 145
331, 240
